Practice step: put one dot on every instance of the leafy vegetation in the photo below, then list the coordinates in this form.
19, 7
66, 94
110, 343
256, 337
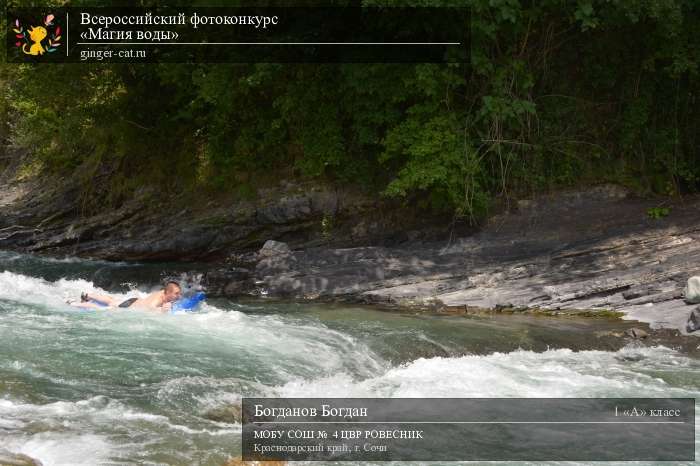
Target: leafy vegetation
558, 93
658, 212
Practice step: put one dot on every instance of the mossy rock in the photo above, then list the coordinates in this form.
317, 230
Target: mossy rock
231, 414
8, 458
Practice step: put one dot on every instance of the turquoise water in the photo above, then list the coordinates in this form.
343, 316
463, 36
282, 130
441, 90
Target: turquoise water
130, 387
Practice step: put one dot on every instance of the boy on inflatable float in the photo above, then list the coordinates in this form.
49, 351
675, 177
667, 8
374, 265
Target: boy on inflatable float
160, 301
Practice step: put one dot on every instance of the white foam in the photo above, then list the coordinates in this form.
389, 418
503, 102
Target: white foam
553, 373
57, 449
72, 437
305, 359
32, 290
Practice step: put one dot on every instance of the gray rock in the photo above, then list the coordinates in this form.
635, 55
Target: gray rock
246, 260
693, 320
49, 217
635, 332
285, 210
230, 282
572, 253
274, 248
231, 414
692, 291
237, 288
8, 458
640, 291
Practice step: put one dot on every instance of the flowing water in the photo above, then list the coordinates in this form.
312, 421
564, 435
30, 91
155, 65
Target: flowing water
132, 387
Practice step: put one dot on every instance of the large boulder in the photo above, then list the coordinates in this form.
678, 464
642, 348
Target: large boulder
692, 290
274, 248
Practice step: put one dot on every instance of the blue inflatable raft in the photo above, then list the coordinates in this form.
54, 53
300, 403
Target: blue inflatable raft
186, 304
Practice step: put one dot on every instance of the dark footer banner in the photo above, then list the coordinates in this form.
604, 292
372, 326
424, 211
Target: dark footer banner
468, 429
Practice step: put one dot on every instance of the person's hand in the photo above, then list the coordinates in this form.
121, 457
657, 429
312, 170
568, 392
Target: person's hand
167, 306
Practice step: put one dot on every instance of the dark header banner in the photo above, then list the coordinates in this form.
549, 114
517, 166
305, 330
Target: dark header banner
239, 35
469, 429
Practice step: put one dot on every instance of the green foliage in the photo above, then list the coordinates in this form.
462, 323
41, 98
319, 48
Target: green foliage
658, 212
327, 225
558, 93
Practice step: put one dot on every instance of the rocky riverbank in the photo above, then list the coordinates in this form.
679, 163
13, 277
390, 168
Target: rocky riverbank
43, 217
600, 251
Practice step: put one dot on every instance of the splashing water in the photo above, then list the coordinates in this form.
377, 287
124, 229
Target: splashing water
132, 387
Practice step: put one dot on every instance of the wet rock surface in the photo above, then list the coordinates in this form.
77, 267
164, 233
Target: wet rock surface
231, 414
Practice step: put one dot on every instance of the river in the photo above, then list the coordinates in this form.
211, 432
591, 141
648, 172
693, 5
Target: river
131, 387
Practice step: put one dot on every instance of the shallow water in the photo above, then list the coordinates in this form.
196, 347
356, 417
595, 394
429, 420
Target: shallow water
130, 387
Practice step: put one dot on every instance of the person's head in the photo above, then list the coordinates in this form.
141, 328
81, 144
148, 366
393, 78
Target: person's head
172, 291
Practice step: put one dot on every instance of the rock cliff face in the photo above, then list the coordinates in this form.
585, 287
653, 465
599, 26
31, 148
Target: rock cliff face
48, 220
594, 250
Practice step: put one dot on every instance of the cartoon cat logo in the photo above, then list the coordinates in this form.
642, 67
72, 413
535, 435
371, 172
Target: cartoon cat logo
31, 40
36, 35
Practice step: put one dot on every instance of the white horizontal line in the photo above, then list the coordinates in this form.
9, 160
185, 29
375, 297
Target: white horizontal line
467, 422
269, 43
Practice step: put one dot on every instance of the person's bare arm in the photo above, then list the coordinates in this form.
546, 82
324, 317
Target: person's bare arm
108, 300
88, 305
